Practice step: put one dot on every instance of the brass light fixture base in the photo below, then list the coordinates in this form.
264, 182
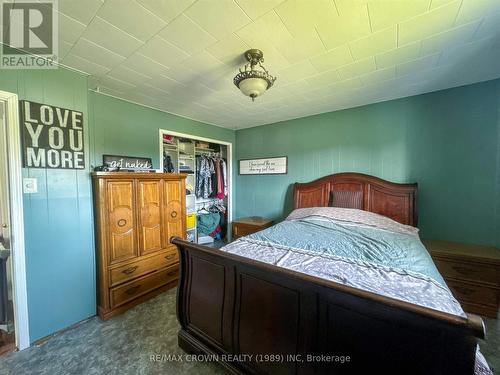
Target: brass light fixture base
254, 56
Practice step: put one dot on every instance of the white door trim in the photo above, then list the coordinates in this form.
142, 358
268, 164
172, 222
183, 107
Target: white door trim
229, 165
21, 322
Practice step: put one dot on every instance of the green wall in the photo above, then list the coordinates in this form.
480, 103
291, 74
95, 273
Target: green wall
60, 270
447, 141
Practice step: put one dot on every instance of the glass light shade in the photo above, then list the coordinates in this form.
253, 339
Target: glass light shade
253, 87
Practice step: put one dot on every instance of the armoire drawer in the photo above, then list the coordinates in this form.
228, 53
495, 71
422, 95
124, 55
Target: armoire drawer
129, 291
141, 267
468, 271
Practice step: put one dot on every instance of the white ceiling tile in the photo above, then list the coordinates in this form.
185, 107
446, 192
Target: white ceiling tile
302, 47
113, 83
398, 55
145, 65
333, 59
296, 72
274, 59
255, 9
292, 89
267, 28
426, 62
438, 3
84, 65
187, 35
229, 50
488, 27
357, 68
353, 24
125, 74
388, 13
378, 42
163, 52
303, 16
476, 9
165, 83
219, 17
378, 76
202, 62
167, 10
154, 92
466, 52
93, 52
324, 79
69, 29
433, 22
455, 36
108, 36
181, 73
132, 18
82, 11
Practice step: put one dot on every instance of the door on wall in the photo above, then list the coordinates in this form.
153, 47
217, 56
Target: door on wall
7, 335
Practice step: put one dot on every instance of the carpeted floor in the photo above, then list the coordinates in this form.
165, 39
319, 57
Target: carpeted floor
125, 344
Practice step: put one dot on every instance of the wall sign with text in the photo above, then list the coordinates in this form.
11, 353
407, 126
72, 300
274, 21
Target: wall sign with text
277, 165
127, 162
52, 137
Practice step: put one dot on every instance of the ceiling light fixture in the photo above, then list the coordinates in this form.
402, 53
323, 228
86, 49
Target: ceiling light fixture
250, 81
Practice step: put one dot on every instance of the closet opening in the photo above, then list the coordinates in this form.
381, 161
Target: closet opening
208, 165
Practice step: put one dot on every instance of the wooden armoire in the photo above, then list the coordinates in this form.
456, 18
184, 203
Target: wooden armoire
136, 215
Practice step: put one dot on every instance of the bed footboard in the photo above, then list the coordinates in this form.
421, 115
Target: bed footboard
260, 319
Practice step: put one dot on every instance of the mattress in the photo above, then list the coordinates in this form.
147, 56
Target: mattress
355, 248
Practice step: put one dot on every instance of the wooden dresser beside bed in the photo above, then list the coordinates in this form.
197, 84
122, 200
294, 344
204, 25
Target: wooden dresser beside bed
472, 272
232, 305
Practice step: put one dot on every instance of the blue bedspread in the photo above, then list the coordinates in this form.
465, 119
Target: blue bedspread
394, 250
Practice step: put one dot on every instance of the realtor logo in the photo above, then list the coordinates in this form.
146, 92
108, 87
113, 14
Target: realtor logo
29, 34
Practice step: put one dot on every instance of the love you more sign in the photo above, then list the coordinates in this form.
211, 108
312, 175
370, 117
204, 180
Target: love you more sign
52, 136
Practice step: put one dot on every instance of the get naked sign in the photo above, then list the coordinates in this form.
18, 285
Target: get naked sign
52, 136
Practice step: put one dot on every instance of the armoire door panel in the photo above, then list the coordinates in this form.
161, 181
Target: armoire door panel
150, 228
173, 210
122, 240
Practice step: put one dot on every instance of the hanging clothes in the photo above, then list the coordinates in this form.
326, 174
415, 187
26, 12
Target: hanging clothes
211, 177
203, 182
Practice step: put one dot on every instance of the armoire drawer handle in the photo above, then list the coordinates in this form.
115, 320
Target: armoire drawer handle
172, 273
122, 222
132, 290
129, 270
173, 214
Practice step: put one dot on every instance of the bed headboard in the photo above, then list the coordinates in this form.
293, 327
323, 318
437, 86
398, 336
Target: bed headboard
357, 190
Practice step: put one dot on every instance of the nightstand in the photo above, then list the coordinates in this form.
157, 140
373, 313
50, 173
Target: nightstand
249, 225
472, 272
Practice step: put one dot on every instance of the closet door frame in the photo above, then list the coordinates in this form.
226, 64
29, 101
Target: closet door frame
229, 160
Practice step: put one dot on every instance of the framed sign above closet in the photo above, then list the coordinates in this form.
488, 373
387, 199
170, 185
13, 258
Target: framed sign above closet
208, 165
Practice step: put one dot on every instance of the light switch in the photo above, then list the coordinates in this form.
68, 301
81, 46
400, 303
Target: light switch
30, 185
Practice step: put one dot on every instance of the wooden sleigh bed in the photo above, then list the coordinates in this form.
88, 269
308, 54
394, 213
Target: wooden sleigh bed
286, 322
